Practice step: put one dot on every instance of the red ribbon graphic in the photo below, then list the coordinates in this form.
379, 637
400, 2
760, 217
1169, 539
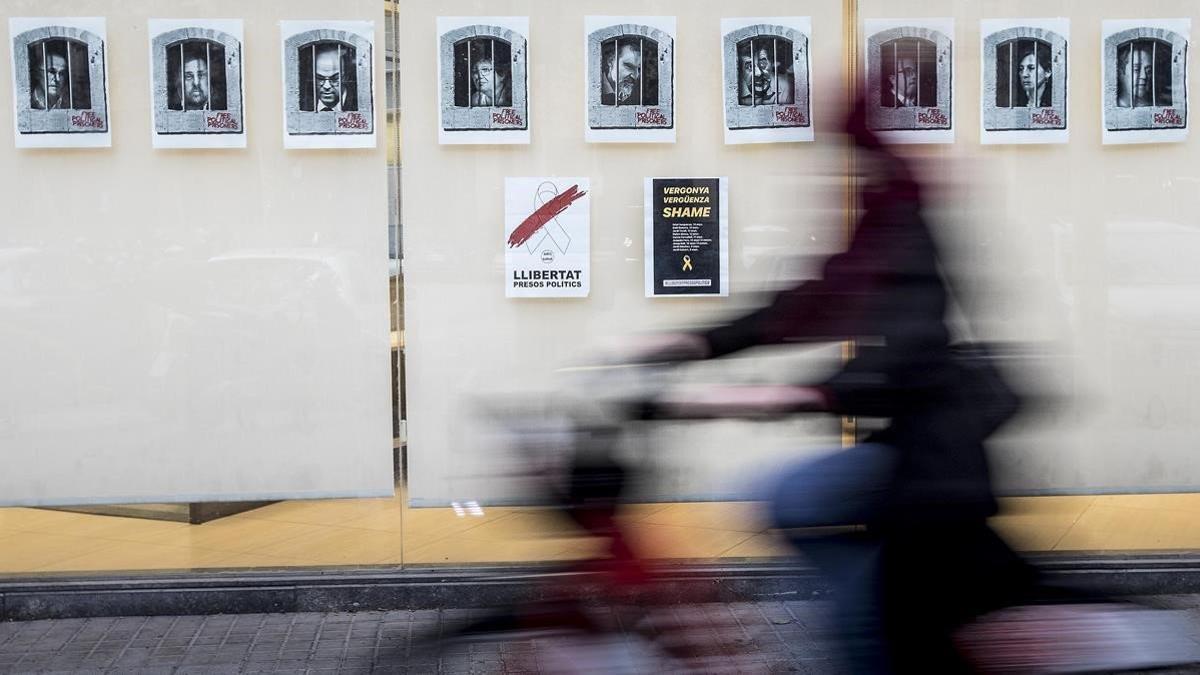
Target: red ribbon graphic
538, 219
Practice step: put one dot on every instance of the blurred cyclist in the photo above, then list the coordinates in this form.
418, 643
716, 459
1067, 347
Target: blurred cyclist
926, 561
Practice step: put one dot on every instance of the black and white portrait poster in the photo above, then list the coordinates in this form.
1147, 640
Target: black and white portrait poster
910, 79
328, 84
547, 237
767, 77
483, 81
687, 237
1144, 94
196, 83
1024, 77
60, 82
629, 67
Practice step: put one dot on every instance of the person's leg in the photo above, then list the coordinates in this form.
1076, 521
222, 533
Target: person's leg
851, 564
848, 487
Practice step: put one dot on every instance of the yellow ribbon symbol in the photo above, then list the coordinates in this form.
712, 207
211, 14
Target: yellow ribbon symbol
687, 263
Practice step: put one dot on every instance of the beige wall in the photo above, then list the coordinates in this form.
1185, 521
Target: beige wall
464, 338
1083, 249
1089, 249
193, 324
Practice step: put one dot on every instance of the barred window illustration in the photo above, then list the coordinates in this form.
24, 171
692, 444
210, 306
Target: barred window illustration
59, 76
1024, 77
908, 73
766, 72
629, 71
1143, 73
328, 76
196, 75
482, 73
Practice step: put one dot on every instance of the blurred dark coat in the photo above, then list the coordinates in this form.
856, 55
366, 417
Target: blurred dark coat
887, 286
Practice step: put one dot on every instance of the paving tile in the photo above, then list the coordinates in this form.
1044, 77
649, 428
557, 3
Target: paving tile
745, 637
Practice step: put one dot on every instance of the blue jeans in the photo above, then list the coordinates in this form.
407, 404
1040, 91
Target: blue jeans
848, 487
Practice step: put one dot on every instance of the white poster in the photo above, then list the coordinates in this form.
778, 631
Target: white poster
767, 96
60, 82
196, 94
1024, 81
483, 81
910, 79
686, 237
629, 68
1144, 94
547, 233
328, 84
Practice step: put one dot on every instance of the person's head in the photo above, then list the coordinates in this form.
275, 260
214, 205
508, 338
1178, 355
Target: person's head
328, 70
1138, 73
746, 78
56, 75
624, 72
763, 63
904, 79
763, 74
483, 76
1034, 70
748, 70
195, 82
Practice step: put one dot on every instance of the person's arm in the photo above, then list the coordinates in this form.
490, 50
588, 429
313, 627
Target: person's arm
878, 384
815, 310
827, 308
747, 400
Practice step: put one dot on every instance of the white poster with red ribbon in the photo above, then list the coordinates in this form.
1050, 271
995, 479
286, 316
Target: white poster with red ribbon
547, 231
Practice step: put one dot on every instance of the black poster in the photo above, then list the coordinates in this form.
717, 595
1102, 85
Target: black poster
687, 236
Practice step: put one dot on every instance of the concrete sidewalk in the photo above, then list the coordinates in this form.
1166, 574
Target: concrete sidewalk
757, 637
742, 637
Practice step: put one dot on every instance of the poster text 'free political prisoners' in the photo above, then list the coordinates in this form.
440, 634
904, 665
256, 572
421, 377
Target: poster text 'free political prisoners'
687, 236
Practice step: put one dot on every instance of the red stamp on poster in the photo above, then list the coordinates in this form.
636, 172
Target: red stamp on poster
652, 116
1169, 117
790, 115
933, 117
1048, 117
87, 119
507, 117
222, 120
353, 120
